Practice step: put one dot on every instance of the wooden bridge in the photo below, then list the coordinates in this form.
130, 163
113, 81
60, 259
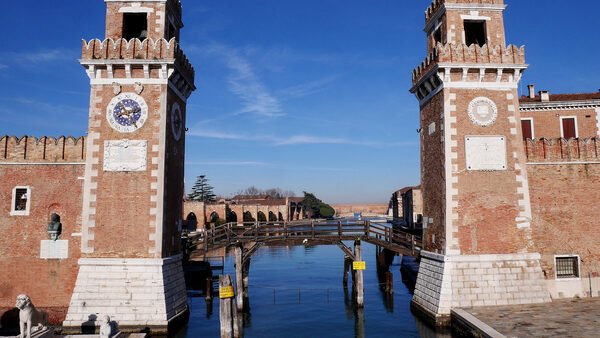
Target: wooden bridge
245, 238
309, 232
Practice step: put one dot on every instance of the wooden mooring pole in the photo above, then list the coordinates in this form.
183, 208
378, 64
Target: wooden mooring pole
239, 277
225, 314
360, 302
347, 266
228, 315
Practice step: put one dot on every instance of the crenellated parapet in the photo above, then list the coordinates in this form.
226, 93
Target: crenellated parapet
112, 59
437, 4
133, 49
473, 55
29, 149
562, 150
468, 66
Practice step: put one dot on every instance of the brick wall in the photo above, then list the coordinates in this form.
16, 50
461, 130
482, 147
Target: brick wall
54, 189
566, 216
546, 123
43, 149
433, 172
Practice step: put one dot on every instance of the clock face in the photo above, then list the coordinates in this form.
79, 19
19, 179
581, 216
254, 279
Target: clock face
127, 112
176, 122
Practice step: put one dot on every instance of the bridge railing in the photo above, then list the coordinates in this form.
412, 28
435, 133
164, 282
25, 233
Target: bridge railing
230, 233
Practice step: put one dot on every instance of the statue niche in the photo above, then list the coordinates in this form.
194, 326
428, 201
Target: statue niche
54, 227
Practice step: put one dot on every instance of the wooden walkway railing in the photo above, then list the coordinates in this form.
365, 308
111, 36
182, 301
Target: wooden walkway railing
322, 231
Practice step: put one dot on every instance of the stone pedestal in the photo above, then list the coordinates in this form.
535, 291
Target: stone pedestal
462, 281
134, 292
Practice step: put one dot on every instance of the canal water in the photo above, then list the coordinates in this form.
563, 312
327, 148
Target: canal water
297, 291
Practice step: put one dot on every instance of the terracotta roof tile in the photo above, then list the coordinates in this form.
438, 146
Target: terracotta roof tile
562, 97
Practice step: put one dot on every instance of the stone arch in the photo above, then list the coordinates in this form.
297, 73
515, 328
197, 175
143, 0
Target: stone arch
272, 217
280, 217
191, 222
260, 216
232, 217
248, 217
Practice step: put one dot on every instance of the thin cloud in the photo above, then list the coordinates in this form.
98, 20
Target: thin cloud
37, 57
295, 139
243, 81
3, 66
306, 89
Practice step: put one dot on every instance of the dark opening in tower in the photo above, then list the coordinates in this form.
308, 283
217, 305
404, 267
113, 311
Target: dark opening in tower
135, 26
475, 32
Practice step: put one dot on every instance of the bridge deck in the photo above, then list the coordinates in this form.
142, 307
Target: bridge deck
319, 231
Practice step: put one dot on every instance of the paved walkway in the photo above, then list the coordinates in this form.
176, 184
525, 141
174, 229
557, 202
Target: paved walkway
576, 318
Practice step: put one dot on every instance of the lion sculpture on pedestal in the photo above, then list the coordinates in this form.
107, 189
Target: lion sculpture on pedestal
29, 316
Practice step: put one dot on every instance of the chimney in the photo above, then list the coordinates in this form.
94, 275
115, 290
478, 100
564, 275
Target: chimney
531, 91
544, 95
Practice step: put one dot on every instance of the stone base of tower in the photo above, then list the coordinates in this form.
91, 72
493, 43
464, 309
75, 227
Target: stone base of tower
462, 281
139, 294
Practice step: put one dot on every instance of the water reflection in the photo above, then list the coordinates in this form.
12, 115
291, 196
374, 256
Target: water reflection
296, 291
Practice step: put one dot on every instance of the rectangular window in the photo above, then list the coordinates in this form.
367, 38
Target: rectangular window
527, 128
475, 32
567, 267
135, 26
568, 127
21, 200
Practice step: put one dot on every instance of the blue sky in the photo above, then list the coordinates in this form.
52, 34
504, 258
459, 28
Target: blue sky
302, 95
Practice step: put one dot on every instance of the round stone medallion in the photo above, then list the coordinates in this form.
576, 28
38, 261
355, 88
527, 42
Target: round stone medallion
483, 111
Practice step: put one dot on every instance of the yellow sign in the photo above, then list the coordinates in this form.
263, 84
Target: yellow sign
226, 292
359, 265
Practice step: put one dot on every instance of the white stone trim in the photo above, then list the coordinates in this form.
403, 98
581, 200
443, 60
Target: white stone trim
578, 267
136, 9
128, 81
474, 18
451, 242
13, 200
562, 134
136, 1
482, 85
598, 121
160, 177
474, 7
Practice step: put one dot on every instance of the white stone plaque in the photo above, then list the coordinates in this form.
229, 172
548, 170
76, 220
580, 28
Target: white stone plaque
483, 111
125, 155
50, 249
485, 152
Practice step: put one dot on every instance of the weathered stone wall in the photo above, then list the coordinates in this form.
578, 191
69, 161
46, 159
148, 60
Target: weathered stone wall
154, 292
446, 282
54, 189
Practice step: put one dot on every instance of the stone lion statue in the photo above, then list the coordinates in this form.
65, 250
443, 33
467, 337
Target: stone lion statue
29, 316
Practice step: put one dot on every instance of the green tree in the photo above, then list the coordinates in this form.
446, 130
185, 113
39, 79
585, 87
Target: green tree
315, 208
202, 191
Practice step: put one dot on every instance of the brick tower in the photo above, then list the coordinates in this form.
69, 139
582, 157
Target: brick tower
477, 213
133, 185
